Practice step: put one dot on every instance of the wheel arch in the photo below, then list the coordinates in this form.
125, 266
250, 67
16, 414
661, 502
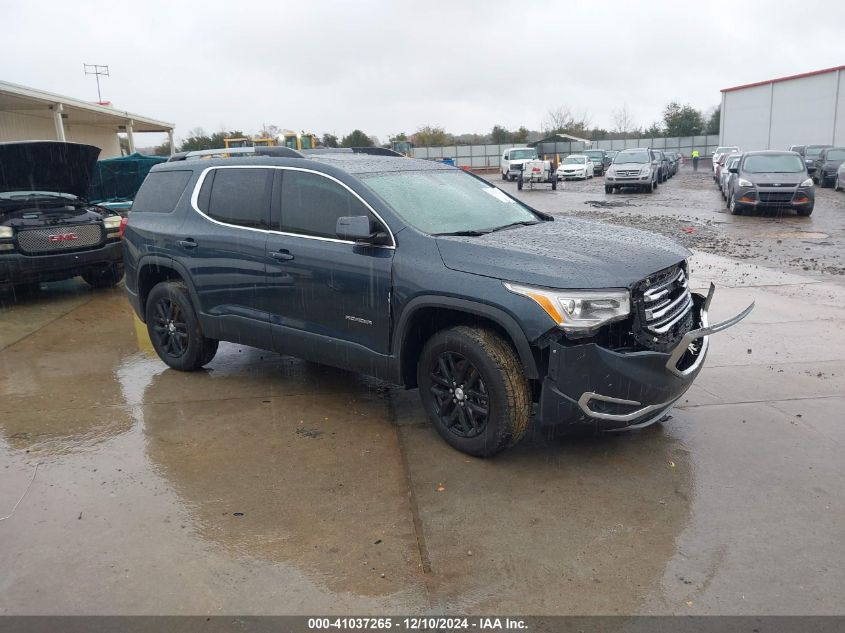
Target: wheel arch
424, 316
153, 270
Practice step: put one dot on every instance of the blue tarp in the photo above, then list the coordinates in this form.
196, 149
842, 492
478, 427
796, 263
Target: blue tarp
118, 179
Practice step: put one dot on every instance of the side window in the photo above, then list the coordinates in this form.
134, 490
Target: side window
507, 154
161, 191
311, 204
237, 196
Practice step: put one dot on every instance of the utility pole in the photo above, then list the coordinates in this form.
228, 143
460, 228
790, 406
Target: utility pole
96, 70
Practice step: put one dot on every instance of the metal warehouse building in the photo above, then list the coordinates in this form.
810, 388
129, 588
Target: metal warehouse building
28, 114
798, 110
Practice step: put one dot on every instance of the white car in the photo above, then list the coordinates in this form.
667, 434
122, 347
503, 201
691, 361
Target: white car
731, 149
513, 159
576, 166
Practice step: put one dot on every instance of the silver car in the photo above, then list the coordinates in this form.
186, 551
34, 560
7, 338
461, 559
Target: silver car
726, 178
839, 183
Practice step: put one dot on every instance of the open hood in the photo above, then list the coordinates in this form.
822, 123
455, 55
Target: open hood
47, 166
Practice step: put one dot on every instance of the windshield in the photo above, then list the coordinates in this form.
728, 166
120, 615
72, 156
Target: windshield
836, 154
594, 155
448, 201
519, 154
812, 152
734, 162
722, 150
773, 163
574, 160
640, 156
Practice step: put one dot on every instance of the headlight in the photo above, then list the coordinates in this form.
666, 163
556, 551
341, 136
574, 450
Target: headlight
807, 183
6, 232
742, 182
112, 222
578, 311
645, 171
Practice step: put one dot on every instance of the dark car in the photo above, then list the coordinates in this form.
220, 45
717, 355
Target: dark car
48, 231
811, 154
636, 167
663, 164
674, 162
772, 179
826, 166
422, 275
600, 160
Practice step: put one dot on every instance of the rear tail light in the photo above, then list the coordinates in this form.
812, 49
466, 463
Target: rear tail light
123, 223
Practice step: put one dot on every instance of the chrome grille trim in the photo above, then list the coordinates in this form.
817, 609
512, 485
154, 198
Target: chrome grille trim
663, 308
35, 241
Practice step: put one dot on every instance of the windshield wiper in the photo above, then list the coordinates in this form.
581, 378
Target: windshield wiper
513, 224
472, 233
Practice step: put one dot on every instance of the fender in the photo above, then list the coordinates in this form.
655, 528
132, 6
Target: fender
167, 262
497, 315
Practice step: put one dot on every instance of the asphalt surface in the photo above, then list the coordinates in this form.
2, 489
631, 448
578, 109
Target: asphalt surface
269, 485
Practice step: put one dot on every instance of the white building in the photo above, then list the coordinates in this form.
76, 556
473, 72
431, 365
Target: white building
28, 114
804, 109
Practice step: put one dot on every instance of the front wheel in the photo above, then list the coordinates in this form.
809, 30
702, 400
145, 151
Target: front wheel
504, 176
473, 388
554, 184
608, 189
174, 328
805, 211
837, 185
735, 208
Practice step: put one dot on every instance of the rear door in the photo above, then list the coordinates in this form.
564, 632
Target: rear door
318, 284
224, 248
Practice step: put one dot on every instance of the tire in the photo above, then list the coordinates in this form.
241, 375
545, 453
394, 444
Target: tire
608, 189
504, 176
498, 396
105, 278
26, 291
519, 184
174, 328
734, 206
822, 183
836, 184
554, 184
805, 211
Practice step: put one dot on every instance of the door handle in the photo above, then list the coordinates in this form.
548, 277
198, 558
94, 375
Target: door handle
187, 243
282, 255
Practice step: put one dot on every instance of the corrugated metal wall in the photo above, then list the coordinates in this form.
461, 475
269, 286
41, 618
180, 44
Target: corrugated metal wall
20, 127
775, 115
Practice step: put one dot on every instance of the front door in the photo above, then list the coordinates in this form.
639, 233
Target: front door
330, 295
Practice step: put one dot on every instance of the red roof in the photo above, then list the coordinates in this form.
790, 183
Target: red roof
789, 78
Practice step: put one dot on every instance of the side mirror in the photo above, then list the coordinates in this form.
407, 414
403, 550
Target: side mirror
359, 228
734, 170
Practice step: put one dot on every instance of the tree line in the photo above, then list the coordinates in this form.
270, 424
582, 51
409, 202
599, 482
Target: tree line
676, 120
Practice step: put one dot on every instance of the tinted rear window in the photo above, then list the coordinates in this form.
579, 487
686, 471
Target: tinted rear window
161, 191
237, 196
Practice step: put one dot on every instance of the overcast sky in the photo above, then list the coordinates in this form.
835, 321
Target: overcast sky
386, 67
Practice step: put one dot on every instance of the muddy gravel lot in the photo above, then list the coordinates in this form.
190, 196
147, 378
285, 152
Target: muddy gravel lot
690, 209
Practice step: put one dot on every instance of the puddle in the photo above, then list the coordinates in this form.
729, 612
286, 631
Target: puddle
800, 235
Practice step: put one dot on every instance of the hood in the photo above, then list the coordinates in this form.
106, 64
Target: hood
791, 179
47, 166
567, 253
627, 166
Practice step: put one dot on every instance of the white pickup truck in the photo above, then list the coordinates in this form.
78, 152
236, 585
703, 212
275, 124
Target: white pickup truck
513, 159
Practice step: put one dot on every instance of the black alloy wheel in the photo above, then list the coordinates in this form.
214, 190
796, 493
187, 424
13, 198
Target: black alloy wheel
460, 395
170, 328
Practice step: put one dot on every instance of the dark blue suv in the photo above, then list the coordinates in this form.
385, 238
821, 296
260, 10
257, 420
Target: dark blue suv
422, 275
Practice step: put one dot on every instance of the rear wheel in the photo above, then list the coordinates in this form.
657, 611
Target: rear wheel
174, 328
474, 390
105, 277
519, 183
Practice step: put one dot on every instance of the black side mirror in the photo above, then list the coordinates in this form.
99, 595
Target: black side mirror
360, 229
733, 170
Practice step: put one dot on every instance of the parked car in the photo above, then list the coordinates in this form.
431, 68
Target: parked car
610, 154
513, 159
811, 153
636, 168
725, 176
663, 165
674, 162
422, 275
827, 164
600, 160
772, 178
48, 230
839, 183
722, 149
799, 149
719, 166
576, 166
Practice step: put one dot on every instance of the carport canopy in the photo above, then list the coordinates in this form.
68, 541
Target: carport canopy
62, 111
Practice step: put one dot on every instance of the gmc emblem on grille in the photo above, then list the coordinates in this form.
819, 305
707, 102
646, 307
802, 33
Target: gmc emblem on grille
63, 237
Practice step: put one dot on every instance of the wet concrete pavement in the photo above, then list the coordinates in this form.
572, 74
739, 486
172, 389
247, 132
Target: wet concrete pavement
269, 485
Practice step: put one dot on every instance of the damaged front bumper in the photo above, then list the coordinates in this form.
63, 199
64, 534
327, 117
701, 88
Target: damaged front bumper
589, 384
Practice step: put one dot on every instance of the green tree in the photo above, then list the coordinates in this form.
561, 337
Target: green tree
329, 140
655, 130
356, 138
162, 150
431, 136
714, 123
560, 120
500, 134
399, 137
198, 140
682, 120
520, 136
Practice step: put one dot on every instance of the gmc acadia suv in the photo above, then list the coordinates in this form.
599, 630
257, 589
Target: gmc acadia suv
420, 274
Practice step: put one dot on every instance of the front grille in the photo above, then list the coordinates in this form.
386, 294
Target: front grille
663, 309
628, 173
59, 238
775, 197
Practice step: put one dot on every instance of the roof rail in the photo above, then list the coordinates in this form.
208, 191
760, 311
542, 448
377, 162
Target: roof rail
372, 151
278, 152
